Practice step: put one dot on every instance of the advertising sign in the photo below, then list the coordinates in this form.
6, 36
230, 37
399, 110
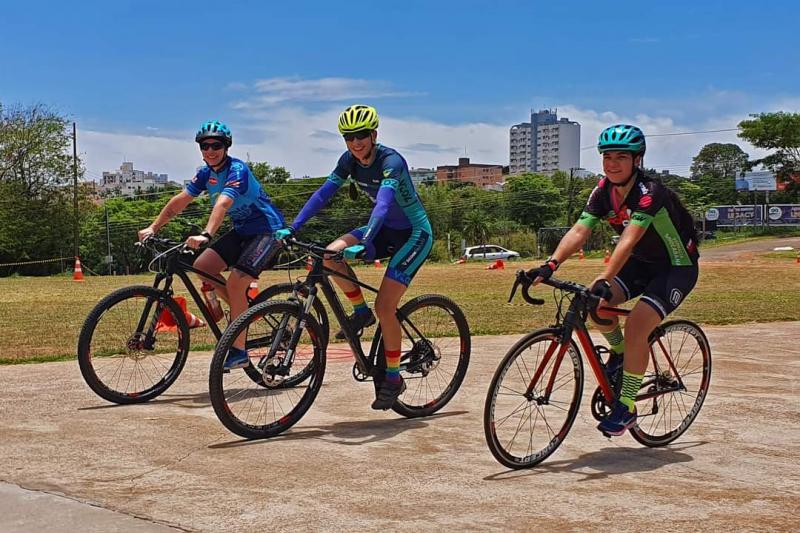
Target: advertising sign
783, 215
755, 181
736, 215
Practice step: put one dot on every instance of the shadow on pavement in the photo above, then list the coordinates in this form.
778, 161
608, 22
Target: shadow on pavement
609, 461
349, 433
192, 401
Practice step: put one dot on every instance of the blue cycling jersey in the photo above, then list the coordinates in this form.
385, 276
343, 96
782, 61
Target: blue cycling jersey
386, 181
252, 211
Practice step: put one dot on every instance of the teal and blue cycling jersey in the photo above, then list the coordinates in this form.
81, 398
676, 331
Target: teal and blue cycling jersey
386, 181
252, 211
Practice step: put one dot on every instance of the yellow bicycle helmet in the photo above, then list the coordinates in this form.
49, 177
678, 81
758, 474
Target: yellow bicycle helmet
358, 118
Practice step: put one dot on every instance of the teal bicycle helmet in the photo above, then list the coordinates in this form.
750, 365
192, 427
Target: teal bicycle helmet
622, 138
214, 129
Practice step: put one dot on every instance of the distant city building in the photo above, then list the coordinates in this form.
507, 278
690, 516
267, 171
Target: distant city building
545, 144
129, 182
422, 175
477, 174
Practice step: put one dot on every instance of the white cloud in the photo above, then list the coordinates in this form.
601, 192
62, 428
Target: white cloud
272, 91
307, 143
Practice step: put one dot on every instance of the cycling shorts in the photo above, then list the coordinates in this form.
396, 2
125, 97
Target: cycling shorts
250, 254
661, 285
408, 248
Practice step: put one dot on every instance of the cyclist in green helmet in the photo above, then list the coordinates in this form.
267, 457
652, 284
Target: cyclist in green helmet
656, 258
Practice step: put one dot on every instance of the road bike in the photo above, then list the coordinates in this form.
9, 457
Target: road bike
536, 390
435, 354
135, 341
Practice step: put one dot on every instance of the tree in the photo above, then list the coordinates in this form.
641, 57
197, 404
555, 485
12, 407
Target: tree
268, 174
533, 200
780, 132
476, 225
36, 210
719, 160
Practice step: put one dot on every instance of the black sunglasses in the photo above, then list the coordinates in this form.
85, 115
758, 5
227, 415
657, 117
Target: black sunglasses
360, 135
211, 146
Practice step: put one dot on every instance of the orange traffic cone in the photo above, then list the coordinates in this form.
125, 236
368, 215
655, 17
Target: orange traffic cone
580, 254
461, 261
607, 258
252, 292
378, 263
167, 323
798, 258
77, 274
309, 263
499, 264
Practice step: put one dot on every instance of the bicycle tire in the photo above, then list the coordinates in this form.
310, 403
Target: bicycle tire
433, 371
692, 360
281, 291
96, 345
507, 391
232, 408
286, 289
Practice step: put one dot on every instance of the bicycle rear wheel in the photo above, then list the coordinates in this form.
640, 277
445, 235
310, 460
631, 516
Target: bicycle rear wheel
522, 429
675, 384
133, 345
435, 350
257, 410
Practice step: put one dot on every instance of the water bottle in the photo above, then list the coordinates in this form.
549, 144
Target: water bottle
212, 302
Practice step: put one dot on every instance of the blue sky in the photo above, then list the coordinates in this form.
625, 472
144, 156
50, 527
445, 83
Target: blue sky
447, 77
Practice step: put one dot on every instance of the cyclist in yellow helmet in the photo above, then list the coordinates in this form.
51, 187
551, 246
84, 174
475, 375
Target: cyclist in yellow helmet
398, 228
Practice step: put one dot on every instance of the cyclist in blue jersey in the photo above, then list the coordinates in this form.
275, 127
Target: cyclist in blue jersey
249, 247
398, 228
656, 258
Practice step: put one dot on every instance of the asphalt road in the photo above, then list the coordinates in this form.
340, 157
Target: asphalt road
171, 464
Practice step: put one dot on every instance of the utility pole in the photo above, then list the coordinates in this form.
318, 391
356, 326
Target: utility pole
108, 243
75, 185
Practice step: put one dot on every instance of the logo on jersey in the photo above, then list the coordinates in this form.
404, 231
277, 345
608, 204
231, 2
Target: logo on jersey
194, 179
212, 181
387, 172
233, 183
675, 296
645, 201
622, 217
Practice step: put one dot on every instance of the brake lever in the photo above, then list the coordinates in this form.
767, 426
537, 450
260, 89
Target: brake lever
513, 290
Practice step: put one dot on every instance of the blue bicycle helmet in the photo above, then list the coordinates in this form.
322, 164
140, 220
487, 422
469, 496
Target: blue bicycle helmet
214, 129
622, 138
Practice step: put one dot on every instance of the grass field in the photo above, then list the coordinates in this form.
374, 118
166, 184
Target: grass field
41, 317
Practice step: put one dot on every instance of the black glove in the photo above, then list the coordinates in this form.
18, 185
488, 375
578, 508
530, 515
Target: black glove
601, 288
544, 271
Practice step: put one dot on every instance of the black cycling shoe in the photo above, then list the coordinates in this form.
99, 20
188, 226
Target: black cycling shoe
358, 321
388, 394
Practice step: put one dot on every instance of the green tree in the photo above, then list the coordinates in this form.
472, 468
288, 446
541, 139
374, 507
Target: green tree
266, 173
533, 200
476, 226
36, 200
780, 132
719, 160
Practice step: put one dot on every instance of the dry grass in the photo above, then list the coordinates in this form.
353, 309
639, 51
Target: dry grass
41, 317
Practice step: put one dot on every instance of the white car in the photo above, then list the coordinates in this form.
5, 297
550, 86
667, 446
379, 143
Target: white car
489, 252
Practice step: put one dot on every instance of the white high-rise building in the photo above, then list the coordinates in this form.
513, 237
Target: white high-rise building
545, 144
128, 181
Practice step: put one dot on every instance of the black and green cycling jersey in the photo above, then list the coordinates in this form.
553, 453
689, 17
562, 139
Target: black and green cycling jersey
670, 234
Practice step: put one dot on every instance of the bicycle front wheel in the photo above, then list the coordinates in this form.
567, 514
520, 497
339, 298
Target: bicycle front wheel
265, 408
435, 350
523, 427
675, 384
133, 345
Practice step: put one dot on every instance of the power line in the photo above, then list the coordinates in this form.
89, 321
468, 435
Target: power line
672, 134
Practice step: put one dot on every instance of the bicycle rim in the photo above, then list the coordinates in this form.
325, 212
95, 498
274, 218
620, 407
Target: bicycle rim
435, 351
264, 408
117, 359
521, 431
680, 365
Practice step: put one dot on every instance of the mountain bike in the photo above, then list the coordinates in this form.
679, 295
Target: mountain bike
435, 354
127, 355
536, 391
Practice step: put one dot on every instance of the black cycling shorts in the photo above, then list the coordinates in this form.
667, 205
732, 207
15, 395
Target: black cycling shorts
662, 286
250, 254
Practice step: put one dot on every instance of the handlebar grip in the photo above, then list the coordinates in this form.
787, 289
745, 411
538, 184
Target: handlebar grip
596, 317
528, 298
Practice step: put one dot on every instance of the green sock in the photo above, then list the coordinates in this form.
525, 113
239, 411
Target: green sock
630, 388
615, 340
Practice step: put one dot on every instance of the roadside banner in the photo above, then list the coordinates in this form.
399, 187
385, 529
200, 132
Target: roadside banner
736, 215
783, 215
